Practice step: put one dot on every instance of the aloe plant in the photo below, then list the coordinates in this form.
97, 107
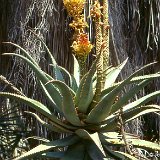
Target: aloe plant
92, 131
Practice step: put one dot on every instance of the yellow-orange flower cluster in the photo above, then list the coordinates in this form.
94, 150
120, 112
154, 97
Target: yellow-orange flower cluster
78, 25
74, 7
82, 45
96, 10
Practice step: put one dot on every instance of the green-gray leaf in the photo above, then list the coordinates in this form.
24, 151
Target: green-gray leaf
43, 148
112, 76
85, 94
38, 107
76, 72
103, 108
75, 152
68, 107
42, 77
94, 137
124, 99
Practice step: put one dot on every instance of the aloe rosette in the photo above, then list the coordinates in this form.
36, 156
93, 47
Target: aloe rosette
92, 131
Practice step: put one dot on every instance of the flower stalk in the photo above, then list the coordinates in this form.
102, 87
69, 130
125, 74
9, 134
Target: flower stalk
81, 45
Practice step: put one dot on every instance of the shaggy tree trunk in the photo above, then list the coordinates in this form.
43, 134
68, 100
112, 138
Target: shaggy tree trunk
136, 34
4, 28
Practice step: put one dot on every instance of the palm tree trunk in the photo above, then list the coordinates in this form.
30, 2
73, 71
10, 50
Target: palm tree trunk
136, 34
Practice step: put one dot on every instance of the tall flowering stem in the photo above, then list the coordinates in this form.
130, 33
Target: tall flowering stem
82, 48
102, 45
96, 13
81, 45
105, 35
74, 7
106, 28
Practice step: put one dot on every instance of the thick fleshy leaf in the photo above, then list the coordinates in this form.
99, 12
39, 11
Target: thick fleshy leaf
137, 143
49, 126
66, 75
111, 122
75, 152
74, 85
48, 76
145, 77
85, 94
94, 137
130, 94
60, 85
43, 148
28, 101
93, 150
115, 135
48, 97
103, 108
112, 76
42, 77
57, 75
139, 111
76, 71
108, 90
133, 80
141, 101
108, 70
26, 53
38, 107
68, 107
78, 93
114, 138
56, 71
